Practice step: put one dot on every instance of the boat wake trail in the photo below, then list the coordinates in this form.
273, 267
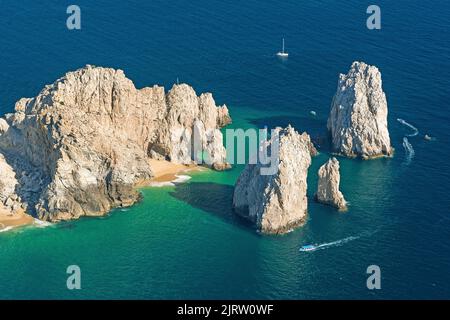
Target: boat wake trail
409, 150
416, 131
336, 243
328, 244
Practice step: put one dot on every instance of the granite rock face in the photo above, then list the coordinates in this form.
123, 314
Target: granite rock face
358, 117
328, 185
276, 203
80, 146
8, 183
191, 122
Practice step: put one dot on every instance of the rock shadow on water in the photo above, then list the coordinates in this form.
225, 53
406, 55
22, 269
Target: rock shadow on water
213, 198
314, 126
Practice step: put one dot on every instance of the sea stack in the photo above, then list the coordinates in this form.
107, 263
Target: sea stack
328, 185
80, 147
358, 117
277, 202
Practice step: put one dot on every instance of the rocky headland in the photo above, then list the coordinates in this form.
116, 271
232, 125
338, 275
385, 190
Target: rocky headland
277, 202
358, 117
328, 185
81, 146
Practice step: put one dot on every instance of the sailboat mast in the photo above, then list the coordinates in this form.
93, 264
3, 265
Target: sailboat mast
282, 53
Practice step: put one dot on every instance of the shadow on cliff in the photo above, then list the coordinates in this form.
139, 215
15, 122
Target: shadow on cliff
214, 198
315, 127
31, 180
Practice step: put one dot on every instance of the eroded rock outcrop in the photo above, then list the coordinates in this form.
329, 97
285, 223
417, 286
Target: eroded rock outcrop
328, 185
8, 183
191, 121
358, 117
277, 202
80, 146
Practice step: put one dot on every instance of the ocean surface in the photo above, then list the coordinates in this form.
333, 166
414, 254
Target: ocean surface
184, 242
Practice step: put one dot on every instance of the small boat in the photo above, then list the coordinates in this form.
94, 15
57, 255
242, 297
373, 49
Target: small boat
309, 247
282, 53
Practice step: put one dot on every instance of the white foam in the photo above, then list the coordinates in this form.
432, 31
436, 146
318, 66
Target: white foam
41, 224
336, 243
416, 131
179, 179
409, 150
333, 244
161, 184
6, 229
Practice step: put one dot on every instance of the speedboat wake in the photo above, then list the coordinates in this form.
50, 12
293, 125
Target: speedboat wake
415, 130
314, 247
409, 150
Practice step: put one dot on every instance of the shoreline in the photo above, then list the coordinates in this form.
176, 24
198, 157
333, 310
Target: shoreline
165, 172
10, 220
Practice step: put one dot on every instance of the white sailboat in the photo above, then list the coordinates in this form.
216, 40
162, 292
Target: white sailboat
282, 53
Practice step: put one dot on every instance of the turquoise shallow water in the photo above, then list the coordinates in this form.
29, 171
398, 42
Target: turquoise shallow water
184, 241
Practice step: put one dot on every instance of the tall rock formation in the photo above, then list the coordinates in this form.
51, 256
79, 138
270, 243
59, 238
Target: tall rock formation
358, 117
80, 146
184, 115
328, 185
277, 203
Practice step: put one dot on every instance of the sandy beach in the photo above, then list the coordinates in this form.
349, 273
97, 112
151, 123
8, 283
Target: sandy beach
166, 171
9, 220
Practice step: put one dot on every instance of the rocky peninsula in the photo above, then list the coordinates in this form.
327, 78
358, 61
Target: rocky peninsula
81, 146
328, 185
358, 117
276, 203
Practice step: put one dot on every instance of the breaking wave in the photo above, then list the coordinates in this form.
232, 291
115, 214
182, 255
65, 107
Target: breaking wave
179, 179
6, 229
41, 224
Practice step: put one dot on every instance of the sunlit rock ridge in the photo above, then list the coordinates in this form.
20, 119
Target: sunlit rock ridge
328, 185
277, 202
80, 147
358, 118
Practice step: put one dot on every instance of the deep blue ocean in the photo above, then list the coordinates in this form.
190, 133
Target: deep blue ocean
185, 242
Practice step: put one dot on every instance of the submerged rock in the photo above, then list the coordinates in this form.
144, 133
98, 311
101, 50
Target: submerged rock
358, 117
277, 202
80, 146
328, 185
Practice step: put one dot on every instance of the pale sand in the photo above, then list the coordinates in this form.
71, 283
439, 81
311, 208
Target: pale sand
166, 171
8, 219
